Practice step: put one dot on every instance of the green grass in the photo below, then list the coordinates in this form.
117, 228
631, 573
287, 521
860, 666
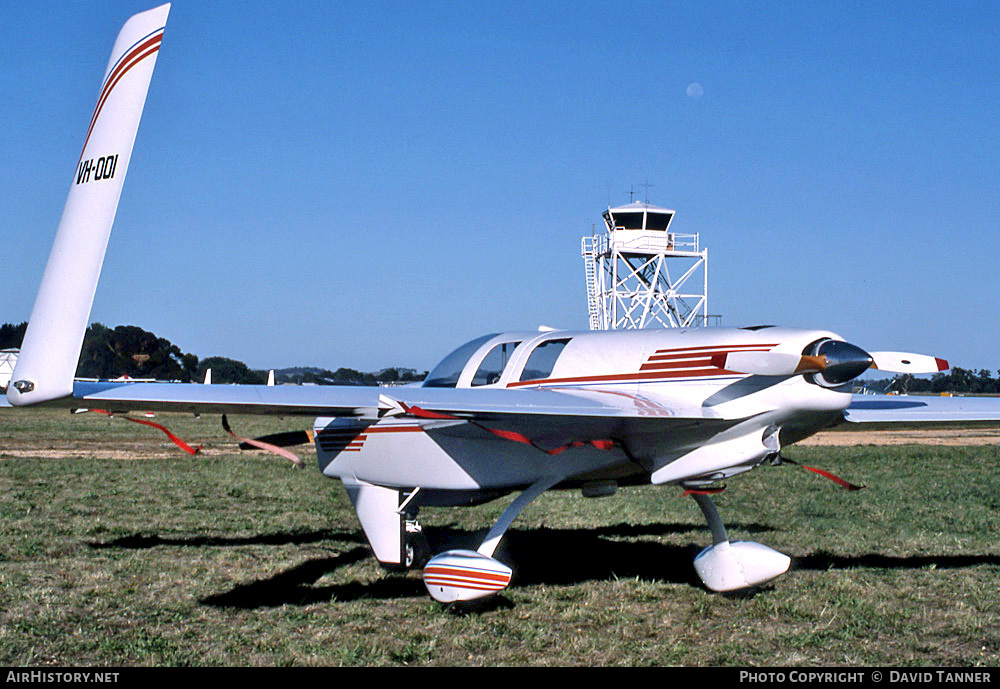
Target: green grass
241, 559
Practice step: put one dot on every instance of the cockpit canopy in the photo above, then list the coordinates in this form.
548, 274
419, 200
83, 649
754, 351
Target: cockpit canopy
487, 359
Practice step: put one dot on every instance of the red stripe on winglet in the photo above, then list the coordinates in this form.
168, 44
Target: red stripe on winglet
941, 364
127, 63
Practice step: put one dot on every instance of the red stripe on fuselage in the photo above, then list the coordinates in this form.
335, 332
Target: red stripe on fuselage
352, 440
713, 348
679, 362
698, 356
690, 364
627, 377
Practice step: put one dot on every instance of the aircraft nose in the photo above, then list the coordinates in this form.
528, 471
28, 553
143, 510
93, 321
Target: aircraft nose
844, 361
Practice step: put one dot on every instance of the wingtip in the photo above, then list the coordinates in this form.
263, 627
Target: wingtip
941, 364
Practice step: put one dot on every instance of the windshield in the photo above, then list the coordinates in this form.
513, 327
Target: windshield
445, 374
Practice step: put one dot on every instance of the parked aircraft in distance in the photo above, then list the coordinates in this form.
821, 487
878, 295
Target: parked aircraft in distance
507, 412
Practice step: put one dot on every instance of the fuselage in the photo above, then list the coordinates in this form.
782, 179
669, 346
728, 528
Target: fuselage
689, 419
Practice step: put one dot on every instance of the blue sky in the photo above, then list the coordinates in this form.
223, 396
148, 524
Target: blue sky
368, 184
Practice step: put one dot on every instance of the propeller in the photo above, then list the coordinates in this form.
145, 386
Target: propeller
905, 362
835, 362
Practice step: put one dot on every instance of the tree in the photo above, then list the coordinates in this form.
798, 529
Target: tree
132, 351
11, 335
230, 371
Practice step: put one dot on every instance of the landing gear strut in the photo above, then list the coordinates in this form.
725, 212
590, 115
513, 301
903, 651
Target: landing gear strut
416, 550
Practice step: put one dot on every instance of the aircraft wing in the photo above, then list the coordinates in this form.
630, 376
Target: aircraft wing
367, 402
917, 408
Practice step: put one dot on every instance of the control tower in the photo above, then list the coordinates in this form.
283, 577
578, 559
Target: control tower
642, 274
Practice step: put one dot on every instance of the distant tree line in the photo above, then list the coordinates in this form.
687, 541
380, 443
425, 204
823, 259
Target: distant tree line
348, 376
960, 380
11, 335
137, 353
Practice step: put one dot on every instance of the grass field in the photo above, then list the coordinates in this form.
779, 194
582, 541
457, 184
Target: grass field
118, 549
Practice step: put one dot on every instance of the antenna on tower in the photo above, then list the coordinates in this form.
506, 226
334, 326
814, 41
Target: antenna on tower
646, 186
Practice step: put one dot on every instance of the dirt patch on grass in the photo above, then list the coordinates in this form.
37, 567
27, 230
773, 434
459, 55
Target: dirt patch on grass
950, 436
137, 451
106, 453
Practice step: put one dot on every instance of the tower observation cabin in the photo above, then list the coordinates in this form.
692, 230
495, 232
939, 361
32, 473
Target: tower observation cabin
640, 273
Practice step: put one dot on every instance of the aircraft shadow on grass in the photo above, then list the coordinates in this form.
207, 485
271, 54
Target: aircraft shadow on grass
823, 561
143, 541
572, 556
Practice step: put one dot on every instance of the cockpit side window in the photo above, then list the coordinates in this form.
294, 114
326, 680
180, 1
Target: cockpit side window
543, 360
445, 374
494, 363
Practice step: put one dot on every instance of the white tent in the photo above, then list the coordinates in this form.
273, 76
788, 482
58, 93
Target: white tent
8, 357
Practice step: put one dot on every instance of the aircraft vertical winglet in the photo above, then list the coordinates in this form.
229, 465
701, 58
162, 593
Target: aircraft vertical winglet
51, 348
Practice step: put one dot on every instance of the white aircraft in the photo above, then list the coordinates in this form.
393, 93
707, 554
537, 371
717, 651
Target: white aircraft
507, 412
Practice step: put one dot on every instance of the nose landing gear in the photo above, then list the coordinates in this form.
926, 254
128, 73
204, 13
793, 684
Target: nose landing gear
730, 566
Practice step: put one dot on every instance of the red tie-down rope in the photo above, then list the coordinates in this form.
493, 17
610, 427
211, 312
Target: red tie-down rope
513, 436
177, 441
825, 474
703, 491
274, 449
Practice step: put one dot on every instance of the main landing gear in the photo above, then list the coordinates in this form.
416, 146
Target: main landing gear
465, 575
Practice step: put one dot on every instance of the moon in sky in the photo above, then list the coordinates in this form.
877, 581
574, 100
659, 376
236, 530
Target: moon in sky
695, 90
